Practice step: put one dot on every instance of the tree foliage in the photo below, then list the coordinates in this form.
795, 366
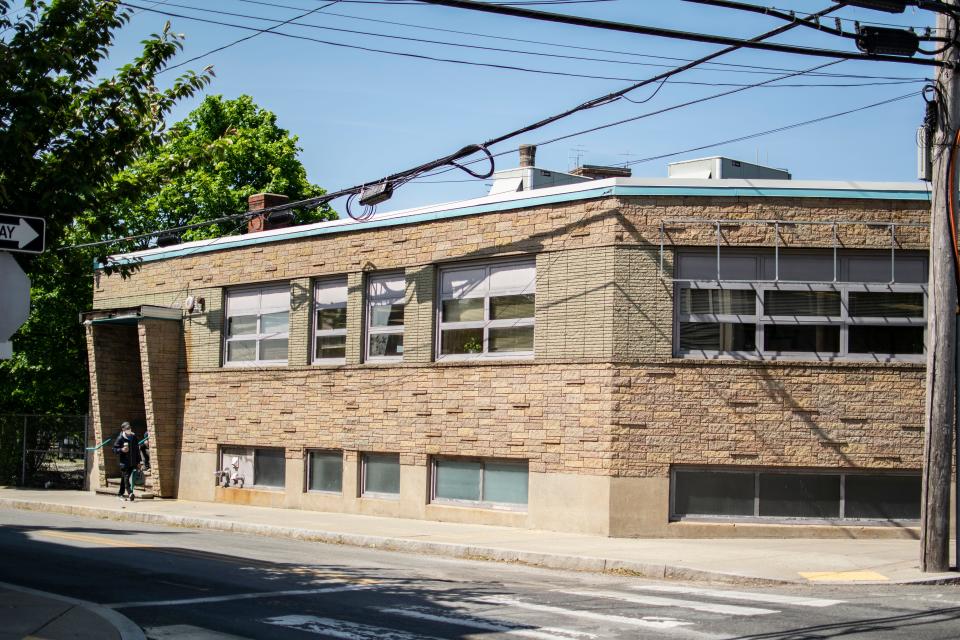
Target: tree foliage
66, 130
207, 167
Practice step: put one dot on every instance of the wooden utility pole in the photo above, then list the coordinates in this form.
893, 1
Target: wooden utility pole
941, 329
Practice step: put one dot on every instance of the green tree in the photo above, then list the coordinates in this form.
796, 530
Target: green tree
207, 167
65, 129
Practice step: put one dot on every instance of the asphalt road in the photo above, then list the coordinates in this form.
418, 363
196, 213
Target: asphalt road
193, 585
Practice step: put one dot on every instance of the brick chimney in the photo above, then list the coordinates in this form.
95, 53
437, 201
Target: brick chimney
528, 155
259, 201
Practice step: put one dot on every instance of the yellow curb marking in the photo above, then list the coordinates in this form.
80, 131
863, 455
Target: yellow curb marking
840, 576
203, 555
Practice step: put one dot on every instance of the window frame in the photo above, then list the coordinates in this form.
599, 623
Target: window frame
481, 503
762, 320
378, 495
841, 519
333, 282
486, 324
308, 476
370, 301
259, 336
252, 451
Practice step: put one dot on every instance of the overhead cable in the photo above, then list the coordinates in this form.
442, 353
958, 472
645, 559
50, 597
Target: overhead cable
560, 18
458, 156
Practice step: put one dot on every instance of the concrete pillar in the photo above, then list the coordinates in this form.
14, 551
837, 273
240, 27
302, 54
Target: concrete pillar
300, 345
355, 297
418, 314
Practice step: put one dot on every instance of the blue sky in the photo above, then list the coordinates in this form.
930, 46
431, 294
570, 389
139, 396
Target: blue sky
360, 115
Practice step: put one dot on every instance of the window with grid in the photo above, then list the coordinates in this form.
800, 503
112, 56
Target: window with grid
257, 326
801, 305
330, 321
487, 310
385, 298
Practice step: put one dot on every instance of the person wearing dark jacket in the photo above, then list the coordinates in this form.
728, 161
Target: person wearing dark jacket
128, 453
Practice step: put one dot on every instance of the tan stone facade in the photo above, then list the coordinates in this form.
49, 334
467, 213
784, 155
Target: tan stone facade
602, 412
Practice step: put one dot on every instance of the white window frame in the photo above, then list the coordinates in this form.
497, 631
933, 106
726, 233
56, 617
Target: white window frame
259, 335
481, 503
336, 282
364, 457
309, 467
486, 324
762, 320
379, 299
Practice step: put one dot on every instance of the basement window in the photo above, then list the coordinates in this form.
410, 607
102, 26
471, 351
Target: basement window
257, 326
489, 483
254, 467
380, 475
785, 494
487, 311
325, 471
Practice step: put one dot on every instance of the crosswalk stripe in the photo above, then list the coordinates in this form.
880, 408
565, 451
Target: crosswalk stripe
659, 623
656, 601
539, 633
235, 596
771, 598
342, 629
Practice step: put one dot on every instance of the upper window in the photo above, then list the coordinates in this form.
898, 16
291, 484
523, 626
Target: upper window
257, 326
487, 310
330, 321
801, 305
385, 297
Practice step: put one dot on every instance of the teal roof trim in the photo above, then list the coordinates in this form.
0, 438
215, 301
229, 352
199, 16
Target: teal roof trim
535, 201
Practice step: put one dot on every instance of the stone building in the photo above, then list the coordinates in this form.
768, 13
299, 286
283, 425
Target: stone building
618, 356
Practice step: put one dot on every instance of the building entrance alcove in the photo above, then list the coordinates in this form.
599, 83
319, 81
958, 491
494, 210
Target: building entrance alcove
135, 355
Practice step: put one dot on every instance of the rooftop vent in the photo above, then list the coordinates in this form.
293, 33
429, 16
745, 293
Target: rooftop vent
599, 172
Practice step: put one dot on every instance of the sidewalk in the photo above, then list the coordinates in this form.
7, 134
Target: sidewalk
27, 613
740, 561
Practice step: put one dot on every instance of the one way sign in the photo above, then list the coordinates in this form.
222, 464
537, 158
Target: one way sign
21, 233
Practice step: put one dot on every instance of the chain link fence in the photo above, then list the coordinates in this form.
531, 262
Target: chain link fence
43, 450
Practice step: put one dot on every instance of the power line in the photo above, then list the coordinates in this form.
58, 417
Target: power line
400, 178
244, 39
728, 67
568, 74
624, 27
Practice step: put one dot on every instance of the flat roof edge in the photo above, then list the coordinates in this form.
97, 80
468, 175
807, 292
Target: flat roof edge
664, 187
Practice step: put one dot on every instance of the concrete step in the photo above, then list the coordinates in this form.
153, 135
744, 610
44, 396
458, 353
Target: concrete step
111, 491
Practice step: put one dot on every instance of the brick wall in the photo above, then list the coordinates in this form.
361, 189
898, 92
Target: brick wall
116, 387
161, 354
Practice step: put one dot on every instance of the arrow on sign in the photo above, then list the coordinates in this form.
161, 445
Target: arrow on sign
22, 233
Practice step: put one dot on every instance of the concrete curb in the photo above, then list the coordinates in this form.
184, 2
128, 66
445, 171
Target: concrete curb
446, 549
126, 627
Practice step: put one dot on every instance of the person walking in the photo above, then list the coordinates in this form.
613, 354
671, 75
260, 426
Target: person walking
128, 454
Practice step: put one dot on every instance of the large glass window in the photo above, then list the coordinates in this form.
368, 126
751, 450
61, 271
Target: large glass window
325, 471
252, 467
487, 310
330, 321
380, 475
490, 483
762, 308
385, 300
787, 495
257, 326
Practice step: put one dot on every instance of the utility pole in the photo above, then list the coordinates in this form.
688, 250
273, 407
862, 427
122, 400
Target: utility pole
941, 389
